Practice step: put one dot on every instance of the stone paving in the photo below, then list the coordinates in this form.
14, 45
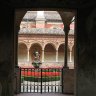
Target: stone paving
43, 94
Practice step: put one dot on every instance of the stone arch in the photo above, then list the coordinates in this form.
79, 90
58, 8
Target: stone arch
22, 54
34, 47
37, 42
65, 16
62, 20
21, 42
50, 44
61, 52
60, 44
50, 53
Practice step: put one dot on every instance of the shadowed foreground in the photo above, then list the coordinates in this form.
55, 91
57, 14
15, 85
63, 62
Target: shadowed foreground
43, 94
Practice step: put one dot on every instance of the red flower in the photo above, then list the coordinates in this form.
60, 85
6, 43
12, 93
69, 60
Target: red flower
38, 74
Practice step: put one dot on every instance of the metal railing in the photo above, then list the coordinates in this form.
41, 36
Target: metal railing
41, 80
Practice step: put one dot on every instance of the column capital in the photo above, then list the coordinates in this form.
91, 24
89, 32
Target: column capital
71, 44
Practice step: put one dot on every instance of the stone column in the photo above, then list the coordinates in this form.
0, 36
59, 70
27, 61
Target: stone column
70, 55
42, 55
66, 30
56, 55
17, 70
17, 28
71, 43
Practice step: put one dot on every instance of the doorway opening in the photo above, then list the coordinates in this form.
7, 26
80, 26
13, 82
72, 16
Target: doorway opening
41, 45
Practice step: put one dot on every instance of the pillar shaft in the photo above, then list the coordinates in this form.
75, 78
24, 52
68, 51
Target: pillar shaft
66, 30
56, 55
42, 55
70, 56
17, 28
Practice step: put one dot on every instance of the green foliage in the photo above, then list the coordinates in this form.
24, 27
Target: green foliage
38, 79
51, 70
44, 70
22, 79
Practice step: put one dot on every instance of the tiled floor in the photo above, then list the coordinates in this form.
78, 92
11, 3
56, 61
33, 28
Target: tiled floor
43, 94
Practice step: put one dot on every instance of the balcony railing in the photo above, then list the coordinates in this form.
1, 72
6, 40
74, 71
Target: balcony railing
41, 80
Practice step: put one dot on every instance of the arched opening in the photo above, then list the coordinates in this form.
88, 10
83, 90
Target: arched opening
49, 33
61, 54
22, 54
35, 47
50, 53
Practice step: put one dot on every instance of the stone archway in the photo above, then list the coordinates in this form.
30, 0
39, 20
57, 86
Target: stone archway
65, 15
50, 53
61, 53
66, 21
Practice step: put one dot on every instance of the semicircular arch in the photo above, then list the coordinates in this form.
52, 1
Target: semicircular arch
36, 43
52, 44
20, 43
50, 53
60, 44
35, 47
22, 53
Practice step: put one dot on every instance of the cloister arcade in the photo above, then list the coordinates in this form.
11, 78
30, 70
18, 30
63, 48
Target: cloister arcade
51, 50
43, 31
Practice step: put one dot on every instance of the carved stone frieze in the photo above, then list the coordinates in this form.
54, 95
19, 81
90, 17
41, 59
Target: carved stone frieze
44, 40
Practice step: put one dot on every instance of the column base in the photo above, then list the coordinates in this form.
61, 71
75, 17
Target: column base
68, 81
